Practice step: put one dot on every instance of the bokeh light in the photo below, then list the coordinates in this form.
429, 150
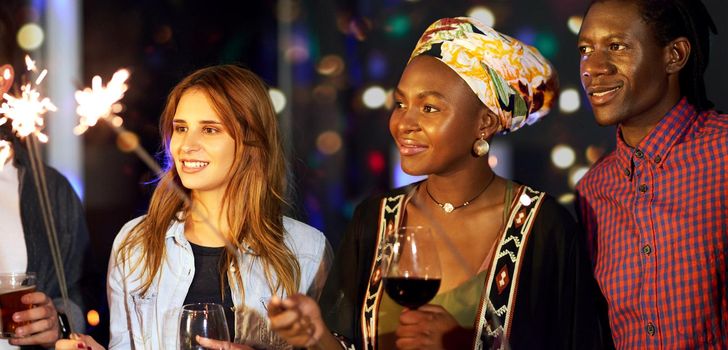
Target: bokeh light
376, 162
492, 161
547, 44
569, 100
563, 156
330, 65
30, 36
93, 318
278, 99
482, 14
398, 25
567, 198
374, 97
328, 142
574, 24
576, 174
593, 153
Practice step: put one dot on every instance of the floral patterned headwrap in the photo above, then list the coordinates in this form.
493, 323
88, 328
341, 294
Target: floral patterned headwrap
511, 78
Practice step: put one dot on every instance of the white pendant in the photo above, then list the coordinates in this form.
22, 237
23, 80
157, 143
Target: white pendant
448, 208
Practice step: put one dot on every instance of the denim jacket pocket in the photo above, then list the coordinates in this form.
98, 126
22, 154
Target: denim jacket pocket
144, 309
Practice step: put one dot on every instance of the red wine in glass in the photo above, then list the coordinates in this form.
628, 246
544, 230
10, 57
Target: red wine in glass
413, 272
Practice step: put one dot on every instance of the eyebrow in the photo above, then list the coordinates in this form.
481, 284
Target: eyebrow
423, 94
182, 121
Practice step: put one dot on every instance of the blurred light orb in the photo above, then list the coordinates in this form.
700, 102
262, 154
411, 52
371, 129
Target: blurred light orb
398, 25
30, 36
389, 102
566, 198
376, 162
483, 14
593, 153
374, 97
492, 161
547, 44
93, 318
287, 10
563, 156
297, 54
117, 121
328, 142
574, 24
576, 174
127, 141
569, 100
330, 65
278, 99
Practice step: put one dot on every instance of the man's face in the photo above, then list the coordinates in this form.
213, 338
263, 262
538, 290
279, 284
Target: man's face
622, 66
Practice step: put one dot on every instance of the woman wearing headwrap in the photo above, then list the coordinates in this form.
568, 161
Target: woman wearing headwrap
517, 277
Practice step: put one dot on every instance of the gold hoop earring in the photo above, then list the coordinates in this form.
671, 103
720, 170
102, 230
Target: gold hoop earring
481, 146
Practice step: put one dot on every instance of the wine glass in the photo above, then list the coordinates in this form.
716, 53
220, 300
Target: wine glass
413, 272
203, 319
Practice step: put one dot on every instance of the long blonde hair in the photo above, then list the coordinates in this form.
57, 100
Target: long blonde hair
254, 197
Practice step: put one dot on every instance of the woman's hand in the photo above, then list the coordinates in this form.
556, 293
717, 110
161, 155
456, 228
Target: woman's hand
43, 328
431, 327
78, 341
297, 319
221, 345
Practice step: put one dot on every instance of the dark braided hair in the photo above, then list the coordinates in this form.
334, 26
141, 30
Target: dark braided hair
671, 19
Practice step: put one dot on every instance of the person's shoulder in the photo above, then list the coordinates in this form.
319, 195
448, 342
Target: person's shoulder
596, 172
126, 230
305, 238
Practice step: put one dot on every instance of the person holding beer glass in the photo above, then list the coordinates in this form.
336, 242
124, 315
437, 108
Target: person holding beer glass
223, 150
512, 269
26, 266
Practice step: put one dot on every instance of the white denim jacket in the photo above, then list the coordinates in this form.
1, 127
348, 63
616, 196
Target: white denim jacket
150, 321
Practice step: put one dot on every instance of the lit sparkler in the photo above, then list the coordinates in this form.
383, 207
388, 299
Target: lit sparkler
99, 102
26, 112
26, 116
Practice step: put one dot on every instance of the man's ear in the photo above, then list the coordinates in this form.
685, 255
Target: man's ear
678, 53
7, 75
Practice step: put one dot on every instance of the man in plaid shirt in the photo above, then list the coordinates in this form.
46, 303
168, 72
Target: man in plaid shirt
656, 209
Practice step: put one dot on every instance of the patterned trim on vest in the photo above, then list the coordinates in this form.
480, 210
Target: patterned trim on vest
495, 313
389, 218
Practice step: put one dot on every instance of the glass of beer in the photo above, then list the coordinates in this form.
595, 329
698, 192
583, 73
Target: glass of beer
12, 287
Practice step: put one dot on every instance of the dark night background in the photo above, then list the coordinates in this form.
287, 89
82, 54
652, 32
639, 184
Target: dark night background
340, 151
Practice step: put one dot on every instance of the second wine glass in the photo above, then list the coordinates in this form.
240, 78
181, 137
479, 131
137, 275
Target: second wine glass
413, 272
204, 319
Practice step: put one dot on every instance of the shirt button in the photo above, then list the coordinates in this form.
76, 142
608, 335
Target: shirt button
650, 328
647, 249
639, 154
643, 188
627, 172
658, 159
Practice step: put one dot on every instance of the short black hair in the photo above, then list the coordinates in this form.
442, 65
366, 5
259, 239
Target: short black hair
671, 19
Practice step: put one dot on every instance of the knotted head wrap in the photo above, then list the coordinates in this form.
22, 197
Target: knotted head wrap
511, 78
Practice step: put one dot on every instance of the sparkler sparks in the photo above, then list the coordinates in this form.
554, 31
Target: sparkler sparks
26, 112
99, 102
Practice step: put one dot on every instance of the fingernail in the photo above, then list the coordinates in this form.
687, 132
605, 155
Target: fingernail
81, 346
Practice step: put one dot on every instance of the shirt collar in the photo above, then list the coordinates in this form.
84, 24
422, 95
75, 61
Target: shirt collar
656, 146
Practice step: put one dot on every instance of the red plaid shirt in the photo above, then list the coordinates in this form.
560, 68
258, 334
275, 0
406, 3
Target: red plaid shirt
656, 218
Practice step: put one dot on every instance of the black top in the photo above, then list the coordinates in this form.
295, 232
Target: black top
557, 306
205, 287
